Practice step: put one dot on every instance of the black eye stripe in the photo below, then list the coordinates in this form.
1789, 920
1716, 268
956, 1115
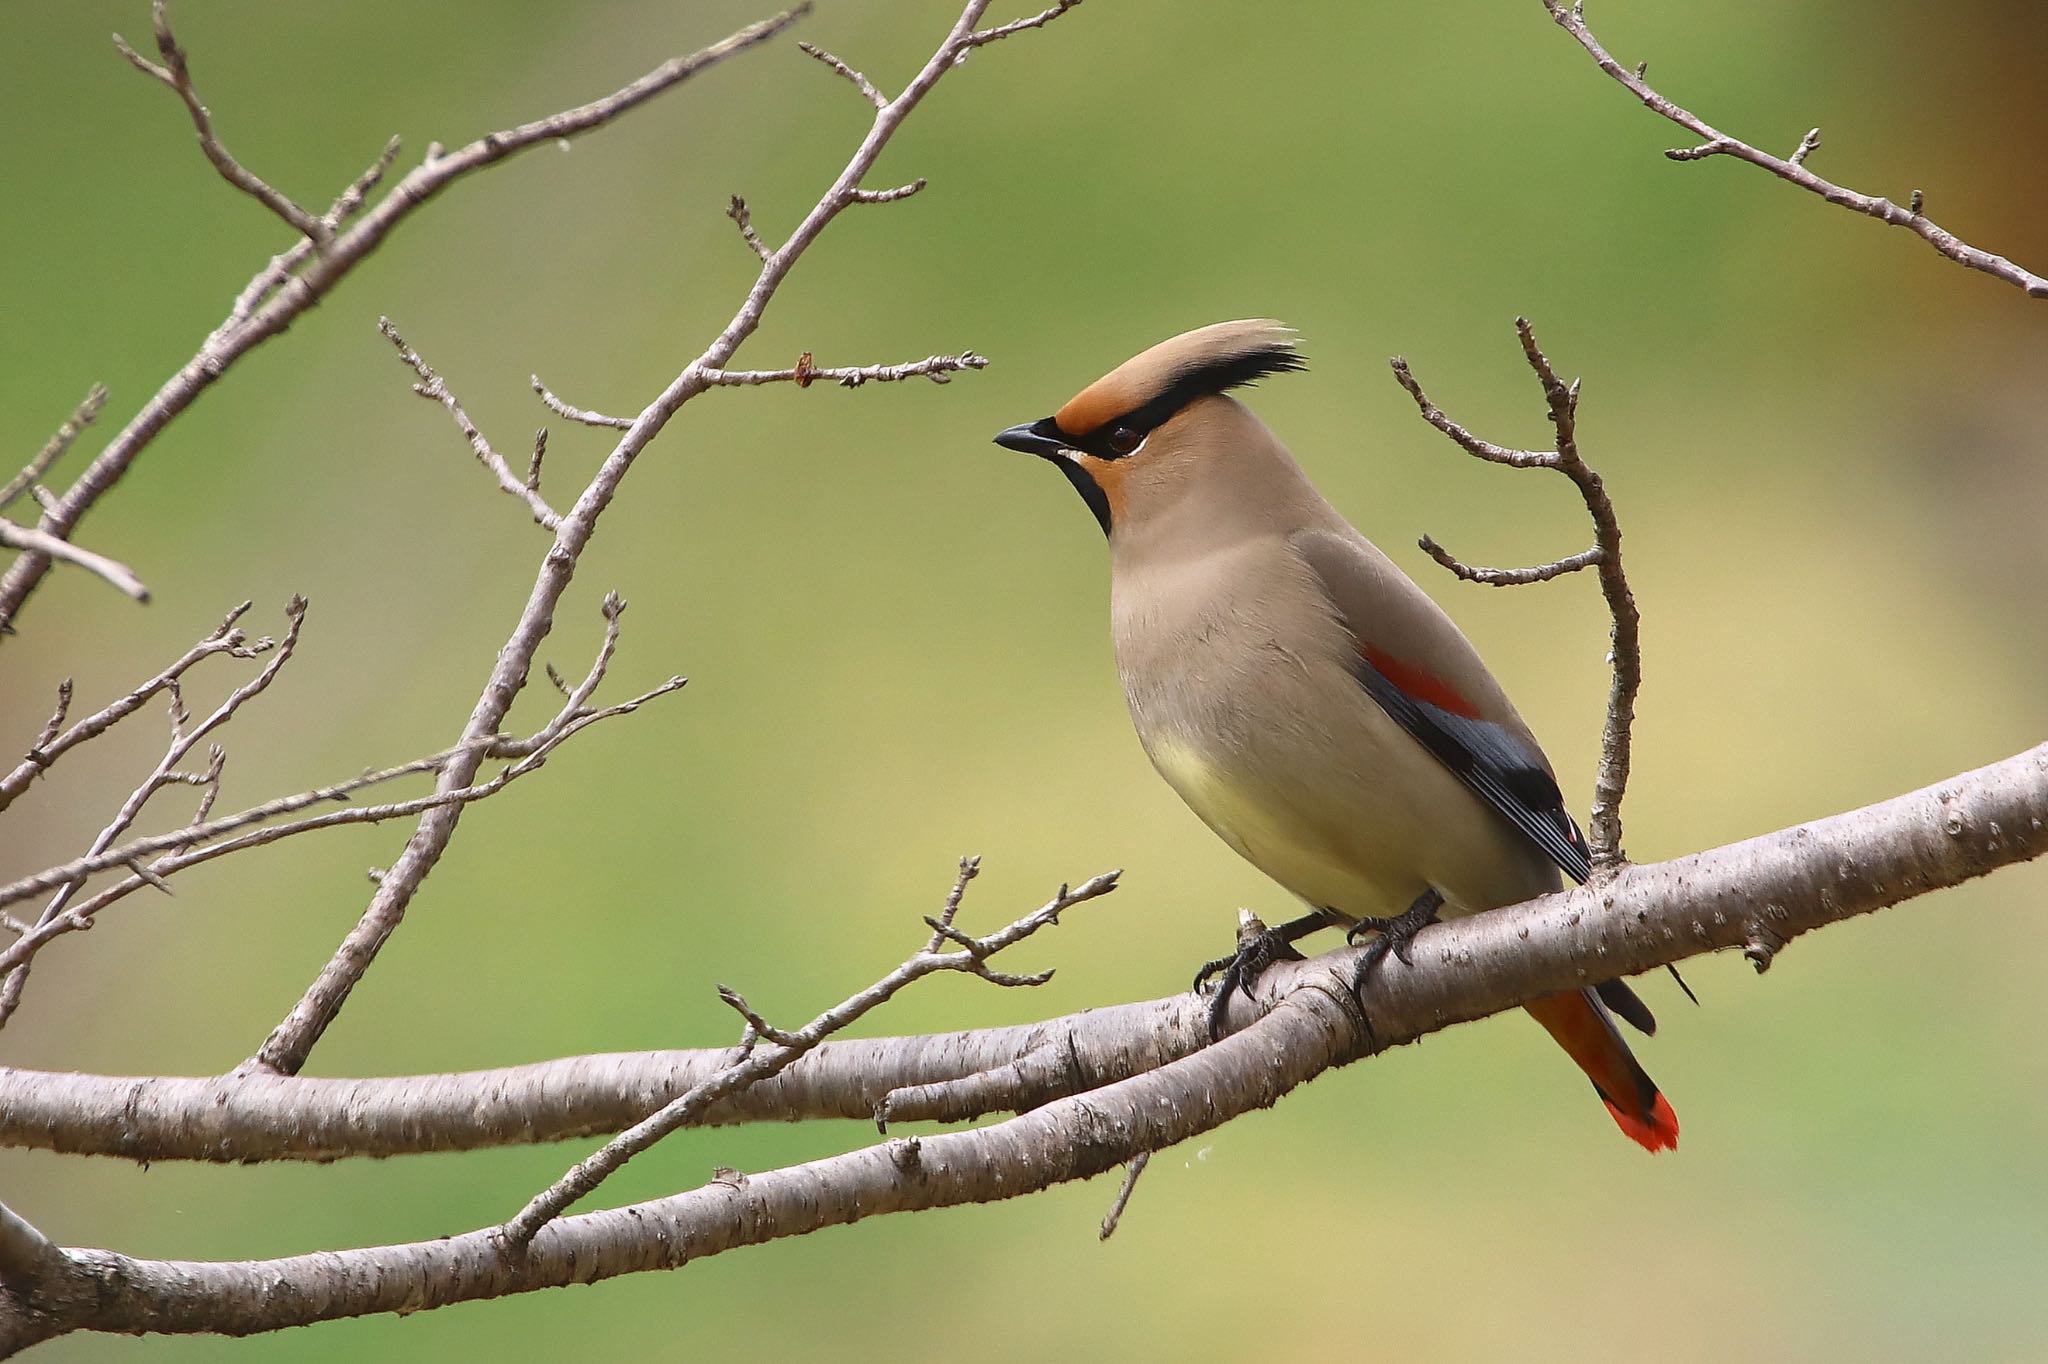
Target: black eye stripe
1216, 376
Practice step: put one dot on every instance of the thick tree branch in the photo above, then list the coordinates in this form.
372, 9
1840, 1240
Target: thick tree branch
288, 1045
1714, 142
1759, 893
1765, 890
303, 275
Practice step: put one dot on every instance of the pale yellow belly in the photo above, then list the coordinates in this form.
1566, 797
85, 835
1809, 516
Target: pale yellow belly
1328, 868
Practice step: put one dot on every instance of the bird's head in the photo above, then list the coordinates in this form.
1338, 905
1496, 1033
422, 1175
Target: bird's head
1159, 421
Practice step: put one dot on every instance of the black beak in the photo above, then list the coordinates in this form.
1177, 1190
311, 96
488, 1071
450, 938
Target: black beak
1042, 438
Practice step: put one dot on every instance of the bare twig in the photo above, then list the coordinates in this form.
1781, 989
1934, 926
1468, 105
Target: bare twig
577, 414
1509, 577
52, 745
287, 262
178, 77
285, 1050
1625, 655
970, 867
762, 1062
743, 218
14, 973
888, 196
528, 754
1714, 142
938, 368
16, 536
1039, 20
313, 275
54, 448
1115, 1215
860, 82
432, 387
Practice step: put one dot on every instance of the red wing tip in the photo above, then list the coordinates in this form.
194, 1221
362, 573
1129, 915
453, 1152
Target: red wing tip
1660, 1133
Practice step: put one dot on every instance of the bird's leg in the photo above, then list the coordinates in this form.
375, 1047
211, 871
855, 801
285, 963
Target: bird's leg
1395, 934
1256, 950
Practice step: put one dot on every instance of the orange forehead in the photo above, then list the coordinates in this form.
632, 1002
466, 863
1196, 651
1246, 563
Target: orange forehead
1110, 396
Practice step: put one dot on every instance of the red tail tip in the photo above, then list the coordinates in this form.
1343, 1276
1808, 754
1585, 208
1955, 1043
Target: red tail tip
1658, 1133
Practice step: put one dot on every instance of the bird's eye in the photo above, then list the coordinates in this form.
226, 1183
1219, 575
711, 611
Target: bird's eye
1125, 439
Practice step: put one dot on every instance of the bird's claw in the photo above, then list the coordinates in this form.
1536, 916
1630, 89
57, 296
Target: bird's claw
1256, 951
1395, 935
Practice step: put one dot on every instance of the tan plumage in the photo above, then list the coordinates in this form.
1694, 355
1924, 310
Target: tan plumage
1306, 699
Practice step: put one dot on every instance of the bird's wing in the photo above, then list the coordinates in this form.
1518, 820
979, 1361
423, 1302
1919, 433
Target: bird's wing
1418, 666
1422, 671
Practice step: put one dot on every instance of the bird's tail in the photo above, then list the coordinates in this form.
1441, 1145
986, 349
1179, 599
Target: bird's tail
1582, 1026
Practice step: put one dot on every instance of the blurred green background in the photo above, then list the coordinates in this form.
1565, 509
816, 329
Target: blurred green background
1826, 443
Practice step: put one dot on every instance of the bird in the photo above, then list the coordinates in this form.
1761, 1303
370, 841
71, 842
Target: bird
1305, 698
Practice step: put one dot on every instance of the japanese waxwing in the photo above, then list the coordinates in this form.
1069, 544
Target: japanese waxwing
1306, 699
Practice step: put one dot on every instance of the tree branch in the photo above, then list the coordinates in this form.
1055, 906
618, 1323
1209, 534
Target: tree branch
1625, 654
433, 388
288, 1045
1304, 1021
175, 74
52, 744
298, 279
938, 368
756, 1064
16, 536
1765, 890
1714, 142
54, 448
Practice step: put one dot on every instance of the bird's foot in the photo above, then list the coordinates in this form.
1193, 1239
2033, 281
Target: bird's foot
1395, 935
1258, 947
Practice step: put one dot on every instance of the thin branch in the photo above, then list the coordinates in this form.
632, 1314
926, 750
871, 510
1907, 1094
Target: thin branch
175, 73
760, 1063
938, 368
860, 82
888, 196
743, 218
14, 973
577, 414
16, 536
323, 270
1509, 577
530, 752
289, 1043
1714, 142
432, 387
54, 448
1115, 1215
52, 745
1039, 20
1625, 653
